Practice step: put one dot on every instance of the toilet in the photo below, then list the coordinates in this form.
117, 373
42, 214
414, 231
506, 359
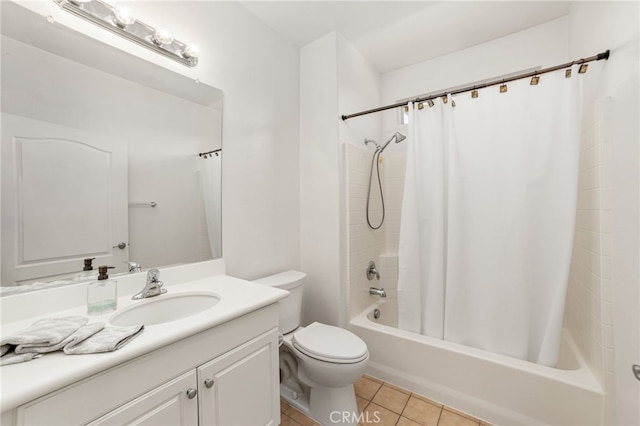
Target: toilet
318, 363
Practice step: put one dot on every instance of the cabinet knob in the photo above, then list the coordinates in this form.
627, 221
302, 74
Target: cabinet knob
208, 383
191, 393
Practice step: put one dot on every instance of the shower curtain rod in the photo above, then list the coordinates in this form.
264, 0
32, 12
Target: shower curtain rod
598, 57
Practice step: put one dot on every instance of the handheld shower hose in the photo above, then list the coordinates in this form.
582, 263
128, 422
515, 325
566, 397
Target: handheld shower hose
375, 159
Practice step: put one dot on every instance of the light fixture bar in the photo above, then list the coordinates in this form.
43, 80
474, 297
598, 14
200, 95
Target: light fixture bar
104, 15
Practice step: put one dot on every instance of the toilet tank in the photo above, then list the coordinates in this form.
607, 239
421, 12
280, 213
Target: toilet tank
289, 306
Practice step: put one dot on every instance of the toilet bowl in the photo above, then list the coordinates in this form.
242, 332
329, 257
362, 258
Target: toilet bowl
318, 363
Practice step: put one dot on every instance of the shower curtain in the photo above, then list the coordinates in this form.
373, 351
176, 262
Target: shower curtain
211, 172
488, 217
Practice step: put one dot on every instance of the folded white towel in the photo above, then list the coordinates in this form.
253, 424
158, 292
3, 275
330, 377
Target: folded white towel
14, 358
44, 332
106, 340
77, 336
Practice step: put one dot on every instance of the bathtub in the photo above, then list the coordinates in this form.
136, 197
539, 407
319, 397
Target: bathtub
492, 387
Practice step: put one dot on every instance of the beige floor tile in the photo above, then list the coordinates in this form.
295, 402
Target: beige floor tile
366, 388
406, 422
362, 404
283, 405
391, 398
376, 415
422, 412
448, 418
299, 417
287, 421
483, 423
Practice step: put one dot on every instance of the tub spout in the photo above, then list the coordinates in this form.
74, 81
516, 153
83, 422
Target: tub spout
377, 291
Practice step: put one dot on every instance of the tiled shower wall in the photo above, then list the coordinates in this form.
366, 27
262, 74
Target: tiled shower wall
589, 307
363, 243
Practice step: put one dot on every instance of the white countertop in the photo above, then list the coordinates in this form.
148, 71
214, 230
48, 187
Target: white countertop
24, 382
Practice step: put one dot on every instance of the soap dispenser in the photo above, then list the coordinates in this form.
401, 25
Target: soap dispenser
88, 273
102, 294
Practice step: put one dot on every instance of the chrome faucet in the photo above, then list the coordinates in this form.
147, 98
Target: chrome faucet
377, 292
153, 287
133, 267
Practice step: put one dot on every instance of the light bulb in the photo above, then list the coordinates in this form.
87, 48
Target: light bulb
191, 51
123, 17
162, 37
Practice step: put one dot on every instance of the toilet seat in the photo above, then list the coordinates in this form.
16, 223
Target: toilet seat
330, 344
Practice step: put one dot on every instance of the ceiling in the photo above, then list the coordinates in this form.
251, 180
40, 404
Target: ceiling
394, 34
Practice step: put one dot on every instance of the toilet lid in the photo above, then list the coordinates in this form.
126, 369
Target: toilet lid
328, 343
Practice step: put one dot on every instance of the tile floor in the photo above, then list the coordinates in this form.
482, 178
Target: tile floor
383, 404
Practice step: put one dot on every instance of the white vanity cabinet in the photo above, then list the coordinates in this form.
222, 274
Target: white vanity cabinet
232, 387
169, 404
227, 375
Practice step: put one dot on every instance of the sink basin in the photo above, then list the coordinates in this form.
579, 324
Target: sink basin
164, 308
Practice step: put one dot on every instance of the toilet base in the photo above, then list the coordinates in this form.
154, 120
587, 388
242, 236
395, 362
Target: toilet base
295, 399
327, 406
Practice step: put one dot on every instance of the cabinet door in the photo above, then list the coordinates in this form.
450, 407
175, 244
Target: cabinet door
167, 405
241, 387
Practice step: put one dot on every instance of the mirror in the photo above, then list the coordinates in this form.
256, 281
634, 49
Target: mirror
102, 157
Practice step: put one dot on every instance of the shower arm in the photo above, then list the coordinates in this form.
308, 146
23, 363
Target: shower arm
368, 141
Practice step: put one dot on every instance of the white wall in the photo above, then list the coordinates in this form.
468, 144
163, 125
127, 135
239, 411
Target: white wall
358, 89
258, 71
595, 27
335, 78
320, 256
540, 46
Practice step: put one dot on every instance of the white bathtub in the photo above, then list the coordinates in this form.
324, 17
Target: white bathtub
492, 387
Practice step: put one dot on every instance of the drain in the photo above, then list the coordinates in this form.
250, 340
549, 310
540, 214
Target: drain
376, 313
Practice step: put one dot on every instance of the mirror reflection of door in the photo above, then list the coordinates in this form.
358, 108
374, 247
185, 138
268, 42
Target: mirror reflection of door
64, 194
55, 74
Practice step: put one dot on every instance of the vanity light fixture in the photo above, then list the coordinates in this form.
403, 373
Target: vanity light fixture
120, 20
123, 17
162, 37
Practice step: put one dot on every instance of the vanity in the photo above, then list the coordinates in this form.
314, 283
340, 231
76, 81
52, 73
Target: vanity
215, 367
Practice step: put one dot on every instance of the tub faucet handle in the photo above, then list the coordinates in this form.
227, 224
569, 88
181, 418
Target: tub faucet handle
372, 271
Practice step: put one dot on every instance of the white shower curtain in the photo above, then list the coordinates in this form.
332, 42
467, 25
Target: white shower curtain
211, 172
422, 251
508, 178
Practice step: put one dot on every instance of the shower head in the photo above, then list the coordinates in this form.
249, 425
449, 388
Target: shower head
399, 137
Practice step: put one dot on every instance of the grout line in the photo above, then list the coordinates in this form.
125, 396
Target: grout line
440, 416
